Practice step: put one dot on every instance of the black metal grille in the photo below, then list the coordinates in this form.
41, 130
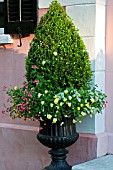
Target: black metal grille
27, 10
13, 10
20, 14
1, 14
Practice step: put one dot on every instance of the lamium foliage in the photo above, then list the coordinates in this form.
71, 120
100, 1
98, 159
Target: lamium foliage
58, 52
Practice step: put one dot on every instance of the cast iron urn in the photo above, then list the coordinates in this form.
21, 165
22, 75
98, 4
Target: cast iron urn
58, 136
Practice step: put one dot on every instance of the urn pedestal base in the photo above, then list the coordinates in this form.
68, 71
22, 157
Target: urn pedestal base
58, 160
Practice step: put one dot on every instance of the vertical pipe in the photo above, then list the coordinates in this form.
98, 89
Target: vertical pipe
20, 9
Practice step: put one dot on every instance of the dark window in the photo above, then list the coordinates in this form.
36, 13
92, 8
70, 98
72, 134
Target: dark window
20, 15
1, 14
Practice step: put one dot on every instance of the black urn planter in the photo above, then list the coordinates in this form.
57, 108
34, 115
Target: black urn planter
58, 136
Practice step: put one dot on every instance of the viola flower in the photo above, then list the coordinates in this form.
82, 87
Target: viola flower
69, 104
51, 104
66, 91
49, 116
65, 99
57, 107
61, 103
46, 91
69, 97
39, 95
15, 88
56, 101
56, 97
74, 121
81, 105
54, 120
78, 108
83, 114
92, 100
42, 102
55, 53
87, 105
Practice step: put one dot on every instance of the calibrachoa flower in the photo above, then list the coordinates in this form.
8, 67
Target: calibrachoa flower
36, 81
33, 66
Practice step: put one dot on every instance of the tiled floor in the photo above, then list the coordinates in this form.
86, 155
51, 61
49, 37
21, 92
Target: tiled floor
102, 163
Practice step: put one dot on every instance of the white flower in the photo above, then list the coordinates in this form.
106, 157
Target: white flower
69, 104
43, 62
66, 91
51, 104
83, 114
92, 100
42, 102
69, 97
61, 103
39, 95
46, 91
64, 99
55, 53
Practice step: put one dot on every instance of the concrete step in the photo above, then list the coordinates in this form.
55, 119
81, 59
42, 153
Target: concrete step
102, 163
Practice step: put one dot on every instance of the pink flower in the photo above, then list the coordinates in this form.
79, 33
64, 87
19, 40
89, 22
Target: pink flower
36, 81
25, 91
33, 66
4, 87
3, 111
30, 95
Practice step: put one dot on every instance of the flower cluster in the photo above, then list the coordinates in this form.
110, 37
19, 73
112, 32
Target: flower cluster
35, 103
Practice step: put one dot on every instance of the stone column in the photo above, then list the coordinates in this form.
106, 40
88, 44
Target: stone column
89, 17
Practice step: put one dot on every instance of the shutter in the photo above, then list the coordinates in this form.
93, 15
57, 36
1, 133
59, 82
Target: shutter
20, 14
1, 14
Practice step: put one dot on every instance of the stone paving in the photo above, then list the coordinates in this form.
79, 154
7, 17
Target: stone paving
102, 163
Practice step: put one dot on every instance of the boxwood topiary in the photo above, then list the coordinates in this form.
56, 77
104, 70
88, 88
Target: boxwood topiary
57, 55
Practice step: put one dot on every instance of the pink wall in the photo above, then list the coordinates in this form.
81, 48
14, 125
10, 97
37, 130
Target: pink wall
109, 66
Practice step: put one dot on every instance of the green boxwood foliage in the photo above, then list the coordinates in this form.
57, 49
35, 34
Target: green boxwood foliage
58, 52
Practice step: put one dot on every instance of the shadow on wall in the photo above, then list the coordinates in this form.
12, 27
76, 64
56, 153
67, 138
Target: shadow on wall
98, 64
